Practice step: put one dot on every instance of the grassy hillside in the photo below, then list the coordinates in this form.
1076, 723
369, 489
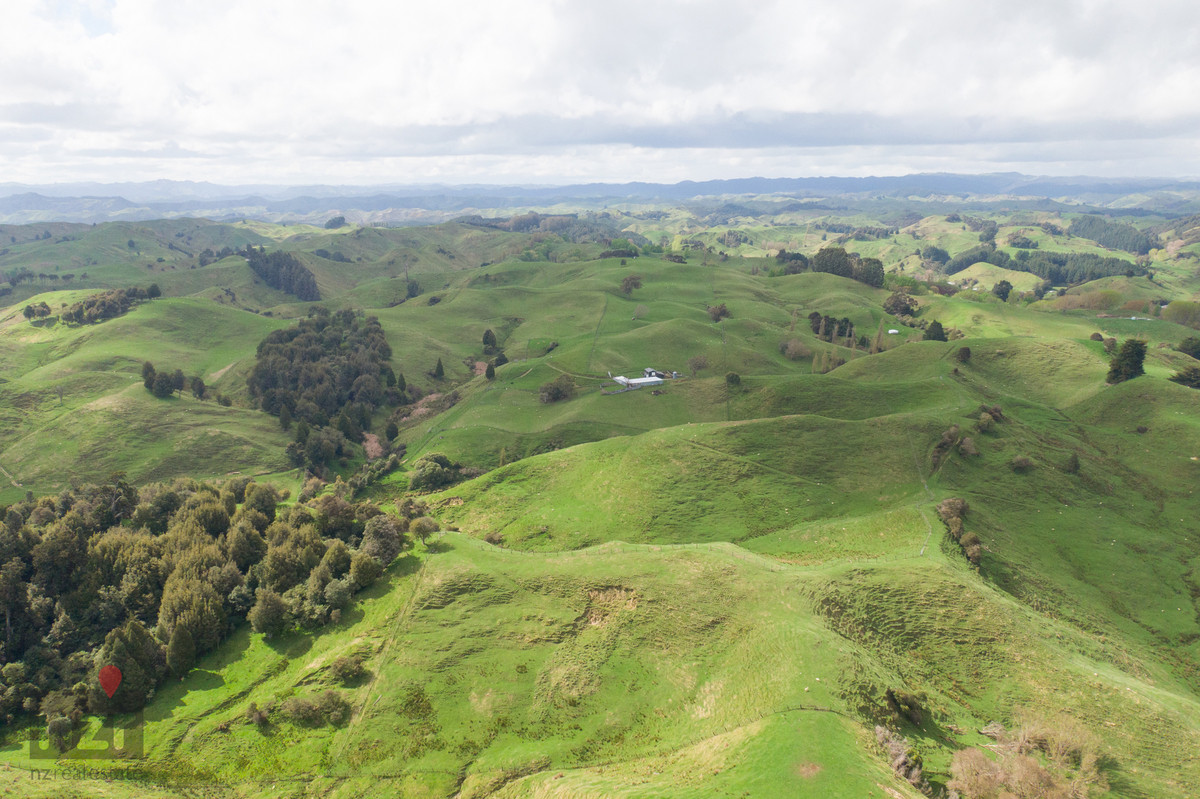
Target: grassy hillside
104, 420
704, 590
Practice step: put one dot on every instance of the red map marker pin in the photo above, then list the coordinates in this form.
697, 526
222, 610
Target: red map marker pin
110, 680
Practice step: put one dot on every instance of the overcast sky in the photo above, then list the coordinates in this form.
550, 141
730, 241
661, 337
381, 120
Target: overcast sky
552, 91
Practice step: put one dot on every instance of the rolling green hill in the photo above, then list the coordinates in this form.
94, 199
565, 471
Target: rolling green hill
718, 587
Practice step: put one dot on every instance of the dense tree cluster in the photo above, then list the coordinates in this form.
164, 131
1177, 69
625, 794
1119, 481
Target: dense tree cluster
209, 255
336, 255
149, 580
1113, 235
164, 383
1056, 267
900, 304
793, 262
108, 305
329, 373
827, 328
280, 270
37, 310
837, 261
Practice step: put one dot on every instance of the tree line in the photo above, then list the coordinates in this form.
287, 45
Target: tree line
98, 307
1113, 235
1059, 268
835, 261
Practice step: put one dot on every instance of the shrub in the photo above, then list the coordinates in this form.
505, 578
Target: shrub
333, 707
1020, 464
967, 446
794, 349
718, 312
952, 508
900, 304
257, 716
963, 355
733, 380
347, 668
1190, 346
1097, 337
431, 471
904, 760
1189, 377
558, 389
329, 707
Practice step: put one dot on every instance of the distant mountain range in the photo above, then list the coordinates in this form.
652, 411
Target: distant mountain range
417, 204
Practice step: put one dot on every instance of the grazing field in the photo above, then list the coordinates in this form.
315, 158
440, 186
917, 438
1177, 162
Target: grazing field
719, 586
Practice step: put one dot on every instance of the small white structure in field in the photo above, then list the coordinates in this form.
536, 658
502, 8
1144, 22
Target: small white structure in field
636, 382
893, 332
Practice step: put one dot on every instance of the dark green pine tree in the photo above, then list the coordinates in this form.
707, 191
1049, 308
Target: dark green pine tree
438, 371
935, 332
490, 372
148, 373
489, 340
1127, 363
133, 650
181, 651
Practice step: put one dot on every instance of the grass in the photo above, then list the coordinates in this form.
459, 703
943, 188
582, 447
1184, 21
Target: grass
701, 592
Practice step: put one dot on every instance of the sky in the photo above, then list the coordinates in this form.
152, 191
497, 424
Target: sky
563, 91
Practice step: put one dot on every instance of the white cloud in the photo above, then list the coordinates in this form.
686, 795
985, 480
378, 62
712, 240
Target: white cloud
540, 89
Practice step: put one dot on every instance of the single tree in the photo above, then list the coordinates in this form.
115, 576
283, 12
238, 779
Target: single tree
152, 292
489, 341
733, 379
269, 614
934, 332
490, 372
1002, 290
198, 389
391, 431
382, 539
1189, 376
718, 312
163, 385
833, 260
1127, 363
900, 304
560, 388
181, 651
696, 363
285, 417
148, 375
438, 371
629, 283
1190, 346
